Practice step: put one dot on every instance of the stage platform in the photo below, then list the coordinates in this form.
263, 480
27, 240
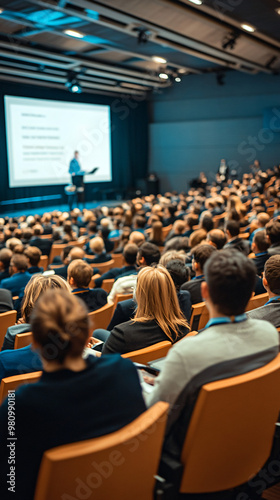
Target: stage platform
61, 207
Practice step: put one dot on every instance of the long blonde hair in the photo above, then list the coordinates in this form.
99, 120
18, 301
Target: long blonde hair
37, 285
157, 300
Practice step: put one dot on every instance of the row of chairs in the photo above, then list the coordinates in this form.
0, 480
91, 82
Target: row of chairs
228, 441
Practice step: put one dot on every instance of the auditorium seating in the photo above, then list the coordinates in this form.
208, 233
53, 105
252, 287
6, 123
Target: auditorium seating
118, 259
257, 301
12, 383
230, 434
150, 353
107, 285
122, 296
23, 340
6, 319
104, 267
102, 317
126, 462
199, 317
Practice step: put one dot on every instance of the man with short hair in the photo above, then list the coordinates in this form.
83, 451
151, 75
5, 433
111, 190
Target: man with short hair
147, 255
129, 256
259, 248
200, 254
216, 238
33, 255
79, 274
230, 344
271, 282
273, 236
232, 228
5, 258
45, 245
19, 276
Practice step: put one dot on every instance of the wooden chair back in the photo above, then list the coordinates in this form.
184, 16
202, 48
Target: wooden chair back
104, 267
118, 259
23, 340
56, 250
6, 319
166, 230
150, 353
257, 301
43, 262
122, 296
102, 317
199, 317
231, 418
107, 285
218, 219
244, 236
134, 448
12, 383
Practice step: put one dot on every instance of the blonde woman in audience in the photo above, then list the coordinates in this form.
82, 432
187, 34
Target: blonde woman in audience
158, 315
36, 286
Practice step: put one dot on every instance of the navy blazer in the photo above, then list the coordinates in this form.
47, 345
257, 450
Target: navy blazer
16, 282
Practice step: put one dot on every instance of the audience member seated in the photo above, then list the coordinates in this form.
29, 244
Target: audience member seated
259, 248
262, 219
178, 230
5, 258
200, 254
273, 236
158, 316
37, 285
232, 228
147, 255
33, 255
216, 238
136, 238
76, 399
19, 276
129, 256
91, 233
180, 274
97, 248
6, 301
230, 344
44, 244
271, 282
79, 276
155, 236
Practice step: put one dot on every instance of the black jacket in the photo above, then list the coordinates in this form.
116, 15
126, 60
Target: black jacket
93, 298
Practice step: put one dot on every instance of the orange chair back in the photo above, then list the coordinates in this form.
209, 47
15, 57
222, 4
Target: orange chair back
122, 296
118, 259
166, 230
44, 260
200, 316
150, 353
257, 301
104, 267
231, 430
6, 319
107, 285
23, 340
121, 465
56, 250
218, 219
12, 383
102, 317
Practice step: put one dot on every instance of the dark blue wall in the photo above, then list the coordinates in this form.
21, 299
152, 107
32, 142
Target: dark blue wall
196, 123
129, 143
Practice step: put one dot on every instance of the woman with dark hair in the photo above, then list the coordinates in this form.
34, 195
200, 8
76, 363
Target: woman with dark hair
74, 400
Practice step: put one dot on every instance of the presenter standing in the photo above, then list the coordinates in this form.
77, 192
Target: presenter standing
77, 177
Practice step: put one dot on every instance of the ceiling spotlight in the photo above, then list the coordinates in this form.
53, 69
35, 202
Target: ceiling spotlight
1, 10
74, 34
72, 83
278, 11
248, 28
196, 2
160, 60
178, 79
163, 76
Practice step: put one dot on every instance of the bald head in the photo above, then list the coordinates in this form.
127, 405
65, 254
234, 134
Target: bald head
76, 253
137, 238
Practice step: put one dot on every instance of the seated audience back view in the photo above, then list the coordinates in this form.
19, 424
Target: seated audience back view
271, 282
79, 276
200, 254
19, 276
229, 345
75, 399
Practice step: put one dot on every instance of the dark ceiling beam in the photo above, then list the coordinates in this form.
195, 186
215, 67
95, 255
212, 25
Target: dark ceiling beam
172, 39
101, 22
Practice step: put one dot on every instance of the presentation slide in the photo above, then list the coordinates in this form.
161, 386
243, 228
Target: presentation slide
42, 136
